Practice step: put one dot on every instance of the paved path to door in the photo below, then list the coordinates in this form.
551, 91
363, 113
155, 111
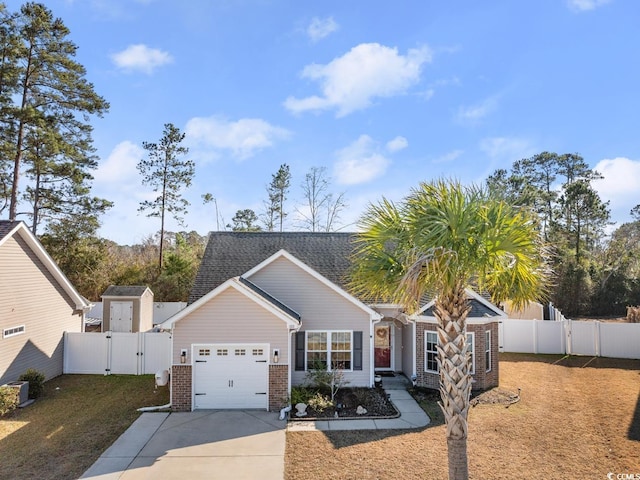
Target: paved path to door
211, 444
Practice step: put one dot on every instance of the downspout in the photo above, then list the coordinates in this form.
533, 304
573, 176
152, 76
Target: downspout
414, 320
375, 318
290, 374
168, 405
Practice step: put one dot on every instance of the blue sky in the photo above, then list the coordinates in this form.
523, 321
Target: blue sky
383, 94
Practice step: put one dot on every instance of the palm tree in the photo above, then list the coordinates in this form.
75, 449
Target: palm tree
441, 239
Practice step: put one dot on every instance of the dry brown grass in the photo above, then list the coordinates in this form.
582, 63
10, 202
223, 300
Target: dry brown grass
77, 418
579, 418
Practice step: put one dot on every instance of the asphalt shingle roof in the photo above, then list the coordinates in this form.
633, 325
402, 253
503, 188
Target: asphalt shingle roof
124, 291
6, 226
478, 310
230, 254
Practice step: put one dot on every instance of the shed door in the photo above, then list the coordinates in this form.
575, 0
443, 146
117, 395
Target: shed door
121, 317
231, 376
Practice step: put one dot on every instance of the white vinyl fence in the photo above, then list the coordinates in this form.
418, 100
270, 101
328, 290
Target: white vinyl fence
593, 338
117, 353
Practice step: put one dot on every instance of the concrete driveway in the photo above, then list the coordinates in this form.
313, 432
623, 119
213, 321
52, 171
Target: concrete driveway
211, 444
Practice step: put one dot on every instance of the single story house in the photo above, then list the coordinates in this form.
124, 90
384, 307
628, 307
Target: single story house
37, 305
266, 307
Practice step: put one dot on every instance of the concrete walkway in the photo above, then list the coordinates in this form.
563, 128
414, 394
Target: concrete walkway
411, 415
211, 444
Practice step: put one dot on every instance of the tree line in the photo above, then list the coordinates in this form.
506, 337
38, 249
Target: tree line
47, 161
596, 272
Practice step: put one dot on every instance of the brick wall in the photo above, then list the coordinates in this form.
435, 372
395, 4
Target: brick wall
483, 380
181, 388
278, 386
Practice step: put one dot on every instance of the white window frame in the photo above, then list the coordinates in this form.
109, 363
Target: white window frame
472, 343
487, 349
328, 350
427, 352
14, 331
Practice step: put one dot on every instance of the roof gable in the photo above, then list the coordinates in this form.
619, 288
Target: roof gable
289, 316
480, 307
231, 254
310, 271
10, 229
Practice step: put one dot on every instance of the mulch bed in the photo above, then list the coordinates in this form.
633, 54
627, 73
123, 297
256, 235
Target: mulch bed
373, 399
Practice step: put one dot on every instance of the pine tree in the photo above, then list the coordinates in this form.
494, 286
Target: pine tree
45, 98
167, 172
277, 190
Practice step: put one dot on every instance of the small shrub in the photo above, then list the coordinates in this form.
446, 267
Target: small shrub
301, 395
320, 402
36, 382
318, 376
8, 399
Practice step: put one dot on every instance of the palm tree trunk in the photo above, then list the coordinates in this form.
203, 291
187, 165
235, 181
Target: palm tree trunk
451, 309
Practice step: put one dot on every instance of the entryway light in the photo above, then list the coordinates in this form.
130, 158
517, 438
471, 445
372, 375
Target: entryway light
183, 356
276, 354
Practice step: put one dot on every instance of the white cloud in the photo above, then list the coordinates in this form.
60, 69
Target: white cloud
506, 149
320, 28
243, 137
141, 58
620, 185
585, 5
360, 162
477, 111
448, 157
121, 164
351, 82
397, 144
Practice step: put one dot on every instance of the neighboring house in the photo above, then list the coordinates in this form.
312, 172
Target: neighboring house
532, 311
266, 307
127, 309
37, 305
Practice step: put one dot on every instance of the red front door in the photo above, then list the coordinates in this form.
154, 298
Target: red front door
382, 346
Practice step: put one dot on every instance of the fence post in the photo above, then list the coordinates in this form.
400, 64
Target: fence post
535, 336
597, 337
568, 346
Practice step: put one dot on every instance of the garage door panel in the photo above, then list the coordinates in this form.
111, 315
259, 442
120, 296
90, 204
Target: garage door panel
231, 376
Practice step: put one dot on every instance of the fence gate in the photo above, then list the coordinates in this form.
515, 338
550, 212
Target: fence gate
116, 353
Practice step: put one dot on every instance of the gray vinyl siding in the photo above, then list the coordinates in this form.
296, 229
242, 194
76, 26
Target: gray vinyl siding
230, 317
320, 307
30, 296
408, 350
397, 346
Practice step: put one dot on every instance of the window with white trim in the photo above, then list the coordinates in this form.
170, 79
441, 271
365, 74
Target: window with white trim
13, 331
487, 349
431, 351
332, 348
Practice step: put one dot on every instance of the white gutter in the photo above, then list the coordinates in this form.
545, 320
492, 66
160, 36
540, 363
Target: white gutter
291, 364
372, 363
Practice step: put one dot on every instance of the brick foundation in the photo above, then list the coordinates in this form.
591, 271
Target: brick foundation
181, 388
278, 386
483, 380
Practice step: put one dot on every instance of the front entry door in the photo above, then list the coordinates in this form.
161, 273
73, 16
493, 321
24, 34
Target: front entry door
382, 345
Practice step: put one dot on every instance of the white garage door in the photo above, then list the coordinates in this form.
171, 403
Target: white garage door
231, 376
